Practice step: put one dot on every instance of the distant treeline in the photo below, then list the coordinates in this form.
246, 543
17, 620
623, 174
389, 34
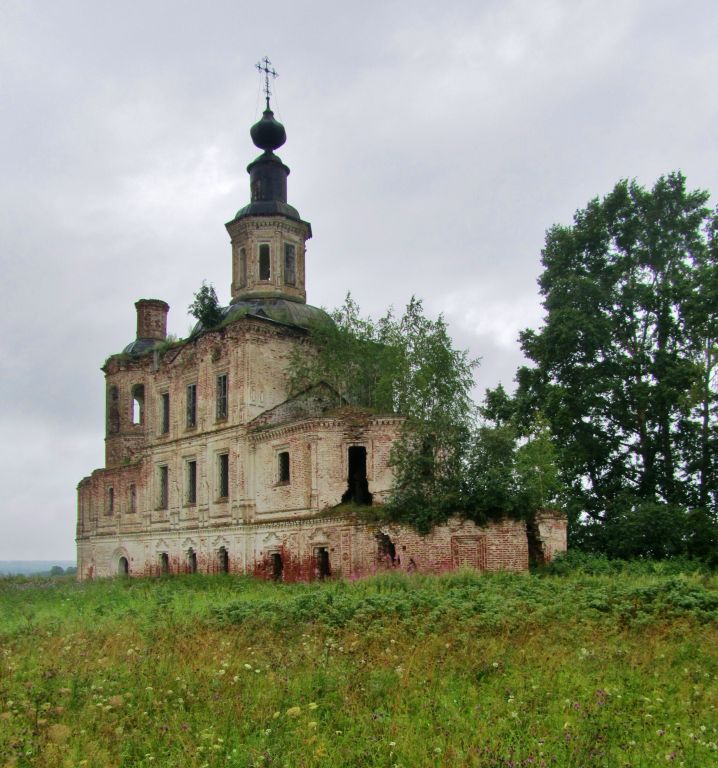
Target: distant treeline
41, 567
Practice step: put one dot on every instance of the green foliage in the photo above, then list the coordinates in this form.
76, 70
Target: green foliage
402, 365
205, 306
625, 366
599, 667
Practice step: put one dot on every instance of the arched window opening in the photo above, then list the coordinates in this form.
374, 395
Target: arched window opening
191, 560
223, 560
164, 563
264, 271
123, 567
357, 484
138, 404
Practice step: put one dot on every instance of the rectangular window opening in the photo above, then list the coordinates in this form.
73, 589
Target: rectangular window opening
165, 413
192, 482
264, 271
110, 500
163, 500
290, 264
223, 460
133, 498
191, 405
222, 396
283, 467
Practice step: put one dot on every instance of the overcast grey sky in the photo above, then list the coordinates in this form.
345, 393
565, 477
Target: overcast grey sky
431, 145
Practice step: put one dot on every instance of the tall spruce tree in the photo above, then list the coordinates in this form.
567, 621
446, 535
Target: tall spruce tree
626, 361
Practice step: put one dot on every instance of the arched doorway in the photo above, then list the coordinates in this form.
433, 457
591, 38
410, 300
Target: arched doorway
192, 560
123, 567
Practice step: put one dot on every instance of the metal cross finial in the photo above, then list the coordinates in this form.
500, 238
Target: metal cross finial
268, 70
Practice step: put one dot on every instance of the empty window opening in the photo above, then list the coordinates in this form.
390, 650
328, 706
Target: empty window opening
222, 396
264, 261
191, 482
123, 567
283, 467
164, 563
191, 560
242, 268
133, 498
110, 500
113, 410
191, 405
223, 460
165, 413
163, 500
323, 566
386, 549
277, 566
223, 560
357, 484
290, 264
138, 404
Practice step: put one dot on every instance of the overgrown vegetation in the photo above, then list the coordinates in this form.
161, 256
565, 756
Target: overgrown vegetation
445, 463
205, 307
617, 420
594, 667
625, 370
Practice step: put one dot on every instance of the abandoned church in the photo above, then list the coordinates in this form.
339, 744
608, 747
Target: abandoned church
211, 465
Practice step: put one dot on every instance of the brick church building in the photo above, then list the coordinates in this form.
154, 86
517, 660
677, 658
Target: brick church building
211, 465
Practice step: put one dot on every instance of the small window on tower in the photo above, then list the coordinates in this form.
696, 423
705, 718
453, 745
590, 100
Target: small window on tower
110, 500
242, 267
290, 264
264, 261
133, 498
138, 404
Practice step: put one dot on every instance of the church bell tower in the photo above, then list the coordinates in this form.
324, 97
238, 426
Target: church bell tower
268, 236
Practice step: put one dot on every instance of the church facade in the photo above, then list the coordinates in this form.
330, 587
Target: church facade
211, 465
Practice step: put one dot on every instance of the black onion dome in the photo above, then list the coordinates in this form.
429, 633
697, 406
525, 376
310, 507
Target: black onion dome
268, 133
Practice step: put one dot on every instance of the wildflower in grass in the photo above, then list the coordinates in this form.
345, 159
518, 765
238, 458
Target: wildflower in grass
312, 705
294, 711
248, 666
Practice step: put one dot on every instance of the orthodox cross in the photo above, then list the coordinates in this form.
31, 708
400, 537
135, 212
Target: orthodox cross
265, 65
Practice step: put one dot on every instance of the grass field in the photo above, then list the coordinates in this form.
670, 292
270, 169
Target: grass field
574, 669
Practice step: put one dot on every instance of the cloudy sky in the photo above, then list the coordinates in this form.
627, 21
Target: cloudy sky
431, 146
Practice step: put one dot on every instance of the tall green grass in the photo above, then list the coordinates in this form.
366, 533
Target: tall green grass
590, 666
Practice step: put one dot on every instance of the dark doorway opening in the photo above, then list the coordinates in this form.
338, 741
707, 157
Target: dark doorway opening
277, 566
358, 486
223, 560
164, 563
386, 549
123, 567
323, 566
192, 560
